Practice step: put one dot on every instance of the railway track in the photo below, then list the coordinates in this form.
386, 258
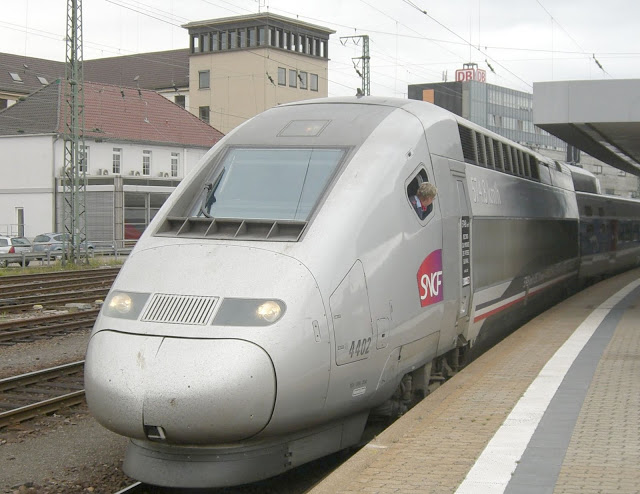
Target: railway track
24, 303
53, 286
21, 293
22, 330
56, 277
40, 392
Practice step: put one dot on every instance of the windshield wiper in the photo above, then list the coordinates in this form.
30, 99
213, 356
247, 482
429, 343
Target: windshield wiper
209, 196
206, 193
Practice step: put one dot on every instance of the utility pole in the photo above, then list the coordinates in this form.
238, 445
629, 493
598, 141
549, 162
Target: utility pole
74, 178
364, 73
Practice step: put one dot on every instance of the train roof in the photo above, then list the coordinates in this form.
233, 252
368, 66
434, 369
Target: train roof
584, 180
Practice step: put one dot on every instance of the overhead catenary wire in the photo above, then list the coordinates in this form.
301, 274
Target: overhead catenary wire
582, 50
408, 73
410, 3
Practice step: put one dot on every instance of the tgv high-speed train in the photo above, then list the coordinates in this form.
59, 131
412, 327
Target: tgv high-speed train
287, 291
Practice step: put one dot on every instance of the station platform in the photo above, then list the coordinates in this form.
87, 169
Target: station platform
553, 408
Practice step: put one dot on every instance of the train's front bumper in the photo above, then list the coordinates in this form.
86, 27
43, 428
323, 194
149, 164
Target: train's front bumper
179, 390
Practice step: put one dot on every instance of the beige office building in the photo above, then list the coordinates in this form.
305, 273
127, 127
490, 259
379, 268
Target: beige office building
241, 66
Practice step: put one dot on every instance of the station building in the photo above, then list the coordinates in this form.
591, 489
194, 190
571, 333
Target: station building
138, 145
509, 113
241, 66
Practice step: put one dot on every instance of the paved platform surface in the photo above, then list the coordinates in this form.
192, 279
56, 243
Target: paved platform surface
554, 408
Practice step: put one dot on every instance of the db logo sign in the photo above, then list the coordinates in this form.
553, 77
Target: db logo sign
430, 280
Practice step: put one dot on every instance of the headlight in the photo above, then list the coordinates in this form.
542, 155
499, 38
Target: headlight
125, 305
269, 311
249, 312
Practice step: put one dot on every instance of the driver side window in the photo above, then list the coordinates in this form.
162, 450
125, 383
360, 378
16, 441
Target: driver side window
421, 207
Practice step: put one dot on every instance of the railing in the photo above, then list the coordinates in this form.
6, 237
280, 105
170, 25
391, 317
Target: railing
25, 258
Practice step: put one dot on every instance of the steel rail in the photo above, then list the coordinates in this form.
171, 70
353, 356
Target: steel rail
19, 304
56, 275
31, 410
54, 285
19, 329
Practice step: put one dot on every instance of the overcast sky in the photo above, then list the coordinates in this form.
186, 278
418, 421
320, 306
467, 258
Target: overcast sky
411, 41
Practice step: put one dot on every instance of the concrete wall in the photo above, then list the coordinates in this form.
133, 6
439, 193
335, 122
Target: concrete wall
586, 101
30, 165
239, 85
27, 182
101, 158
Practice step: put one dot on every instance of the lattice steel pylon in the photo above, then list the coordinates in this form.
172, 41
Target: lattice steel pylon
364, 73
73, 177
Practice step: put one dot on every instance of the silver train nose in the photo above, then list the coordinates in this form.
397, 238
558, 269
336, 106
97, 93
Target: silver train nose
179, 390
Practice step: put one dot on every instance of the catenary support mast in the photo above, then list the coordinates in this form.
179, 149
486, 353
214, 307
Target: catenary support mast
74, 179
362, 64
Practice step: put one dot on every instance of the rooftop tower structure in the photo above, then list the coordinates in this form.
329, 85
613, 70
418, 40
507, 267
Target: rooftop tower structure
241, 66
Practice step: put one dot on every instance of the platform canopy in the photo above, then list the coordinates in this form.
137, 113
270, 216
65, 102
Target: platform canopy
601, 118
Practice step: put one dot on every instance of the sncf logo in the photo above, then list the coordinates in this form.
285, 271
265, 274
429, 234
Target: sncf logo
430, 282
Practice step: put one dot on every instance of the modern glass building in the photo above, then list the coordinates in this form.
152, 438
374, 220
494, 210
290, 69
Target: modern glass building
504, 111
509, 113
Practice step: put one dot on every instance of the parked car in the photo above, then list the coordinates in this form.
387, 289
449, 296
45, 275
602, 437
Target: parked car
14, 245
51, 243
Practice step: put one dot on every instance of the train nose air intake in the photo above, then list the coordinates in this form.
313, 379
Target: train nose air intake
155, 433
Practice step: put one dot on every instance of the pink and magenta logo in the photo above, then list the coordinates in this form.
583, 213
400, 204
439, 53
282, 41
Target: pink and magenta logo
430, 282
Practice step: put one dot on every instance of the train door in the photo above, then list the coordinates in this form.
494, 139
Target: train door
464, 248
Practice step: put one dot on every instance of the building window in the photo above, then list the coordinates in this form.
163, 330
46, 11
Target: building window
83, 159
303, 79
146, 162
117, 160
203, 113
175, 161
597, 169
180, 100
242, 35
252, 36
293, 80
139, 209
203, 77
20, 220
421, 209
282, 76
43, 80
15, 76
314, 82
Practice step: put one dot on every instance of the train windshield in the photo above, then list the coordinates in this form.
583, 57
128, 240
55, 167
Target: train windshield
268, 183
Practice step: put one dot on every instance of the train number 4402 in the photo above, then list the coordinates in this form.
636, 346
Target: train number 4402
359, 347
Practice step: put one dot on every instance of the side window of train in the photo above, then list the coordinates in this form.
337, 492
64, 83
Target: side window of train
420, 209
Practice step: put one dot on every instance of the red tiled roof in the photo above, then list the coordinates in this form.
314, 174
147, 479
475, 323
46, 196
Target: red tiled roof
110, 113
122, 113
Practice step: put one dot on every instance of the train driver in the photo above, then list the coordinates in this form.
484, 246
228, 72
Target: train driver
422, 201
